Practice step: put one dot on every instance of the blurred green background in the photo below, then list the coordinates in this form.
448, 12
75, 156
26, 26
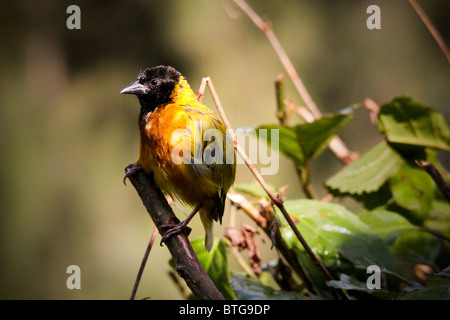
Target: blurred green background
67, 134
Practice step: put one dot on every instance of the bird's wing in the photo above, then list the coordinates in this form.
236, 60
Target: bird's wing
212, 150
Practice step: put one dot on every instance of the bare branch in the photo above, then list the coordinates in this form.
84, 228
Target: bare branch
429, 25
267, 29
336, 145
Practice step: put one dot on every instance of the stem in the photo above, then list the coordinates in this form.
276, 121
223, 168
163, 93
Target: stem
242, 263
431, 28
144, 261
436, 176
308, 189
281, 105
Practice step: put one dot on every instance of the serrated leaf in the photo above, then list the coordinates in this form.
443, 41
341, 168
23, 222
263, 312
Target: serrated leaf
250, 289
336, 235
215, 264
368, 173
305, 141
408, 122
286, 141
314, 137
374, 200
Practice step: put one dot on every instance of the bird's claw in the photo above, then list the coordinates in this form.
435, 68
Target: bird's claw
173, 229
130, 170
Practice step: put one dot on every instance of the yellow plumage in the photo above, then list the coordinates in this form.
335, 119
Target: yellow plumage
185, 145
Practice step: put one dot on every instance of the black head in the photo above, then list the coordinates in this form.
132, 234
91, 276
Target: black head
153, 86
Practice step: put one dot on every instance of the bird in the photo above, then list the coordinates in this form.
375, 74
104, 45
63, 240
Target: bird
184, 144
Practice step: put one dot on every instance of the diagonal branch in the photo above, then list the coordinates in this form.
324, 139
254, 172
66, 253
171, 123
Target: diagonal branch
429, 25
187, 264
436, 176
284, 58
275, 199
143, 263
336, 145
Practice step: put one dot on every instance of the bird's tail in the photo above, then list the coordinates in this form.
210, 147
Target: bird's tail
213, 210
208, 224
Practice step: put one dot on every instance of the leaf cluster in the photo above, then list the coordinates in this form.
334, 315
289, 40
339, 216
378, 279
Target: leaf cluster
403, 226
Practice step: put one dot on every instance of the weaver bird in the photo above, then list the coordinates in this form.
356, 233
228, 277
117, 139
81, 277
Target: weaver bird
185, 145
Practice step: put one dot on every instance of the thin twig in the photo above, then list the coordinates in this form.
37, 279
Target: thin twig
436, 176
304, 173
282, 113
373, 108
144, 261
182, 288
242, 263
431, 28
304, 113
238, 148
273, 233
201, 91
275, 199
248, 208
173, 203
336, 145
284, 58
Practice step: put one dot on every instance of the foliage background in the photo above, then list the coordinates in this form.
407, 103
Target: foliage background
66, 133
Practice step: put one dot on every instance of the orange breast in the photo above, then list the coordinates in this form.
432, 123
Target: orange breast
156, 135
157, 143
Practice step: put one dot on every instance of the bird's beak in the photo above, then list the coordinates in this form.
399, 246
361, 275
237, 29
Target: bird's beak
134, 88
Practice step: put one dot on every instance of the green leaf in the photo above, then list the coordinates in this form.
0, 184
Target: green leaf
215, 264
337, 236
413, 189
305, 141
376, 199
315, 136
250, 289
348, 283
386, 224
368, 173
407, 242
253, 189
286, 142
408, 122
439, 217
416, 246
437, 288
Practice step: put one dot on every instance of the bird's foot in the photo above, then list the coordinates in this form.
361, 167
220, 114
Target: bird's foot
130, 170
173, 229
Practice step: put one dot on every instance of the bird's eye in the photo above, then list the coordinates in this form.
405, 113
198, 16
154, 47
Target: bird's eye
154, 82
